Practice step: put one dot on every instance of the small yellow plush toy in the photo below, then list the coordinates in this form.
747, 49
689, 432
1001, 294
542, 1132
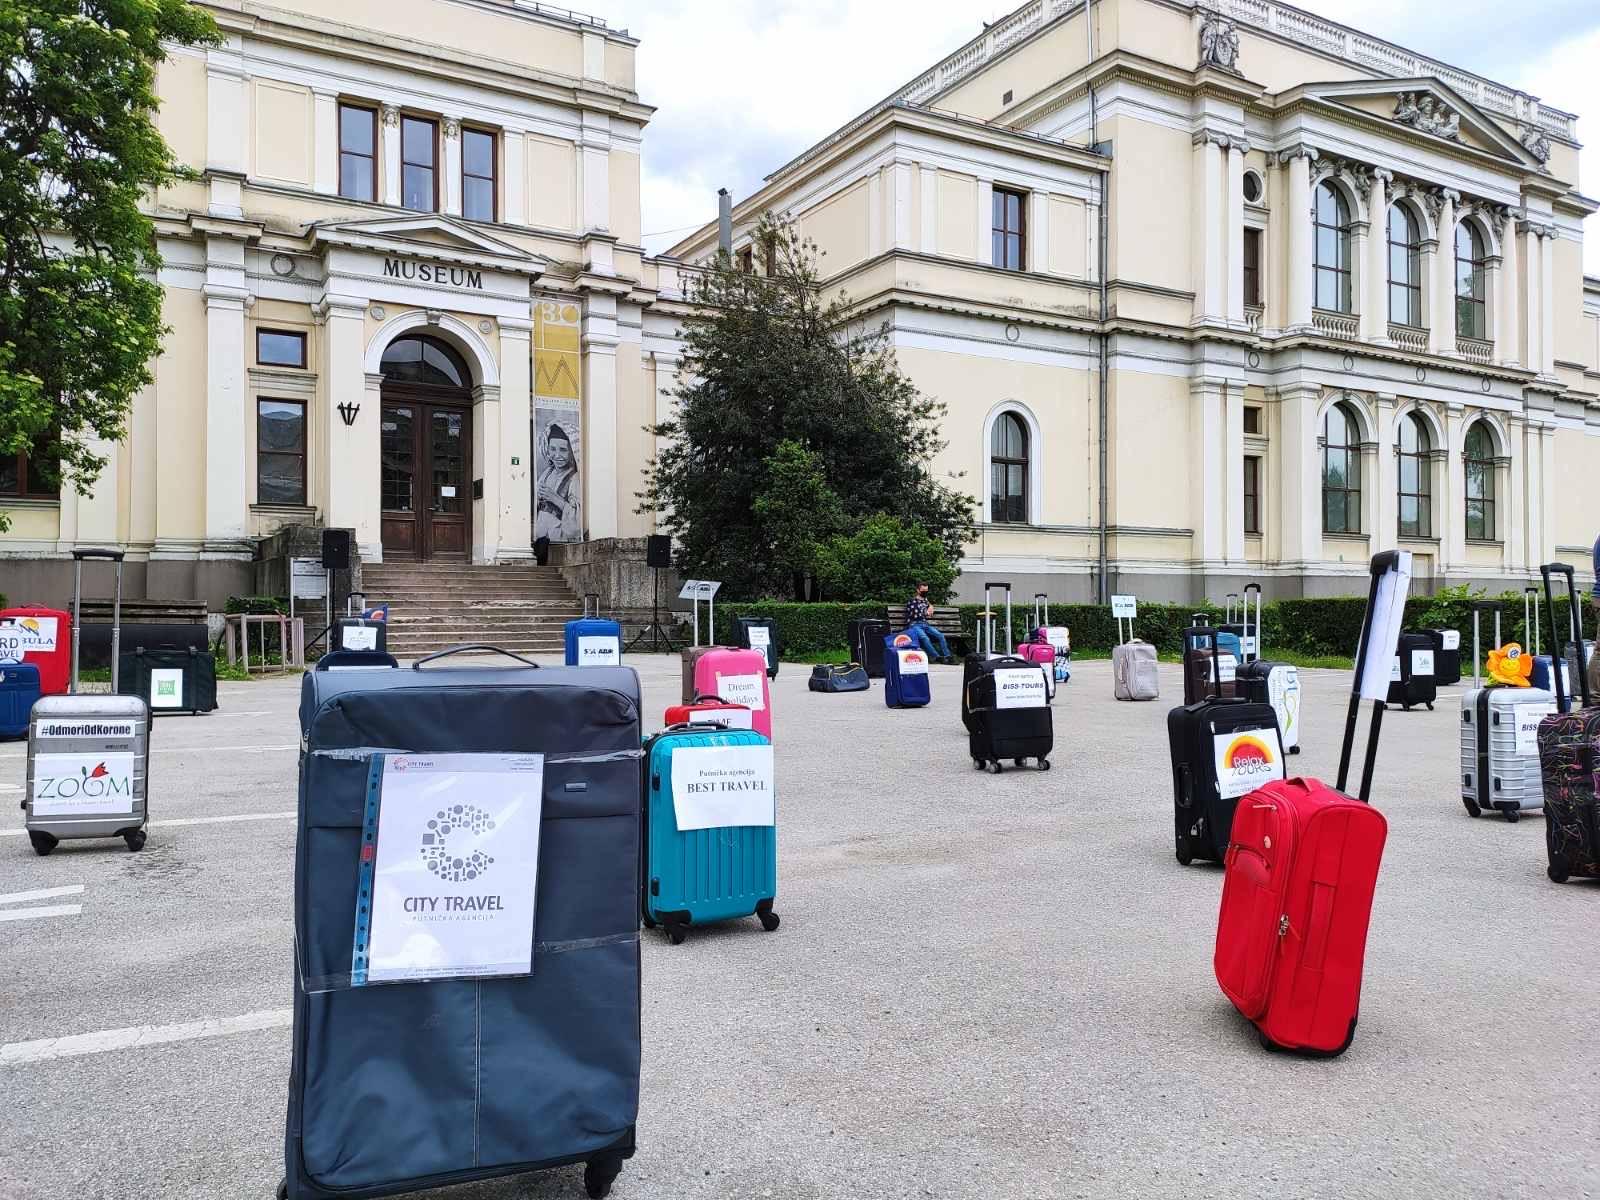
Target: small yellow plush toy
1509, 666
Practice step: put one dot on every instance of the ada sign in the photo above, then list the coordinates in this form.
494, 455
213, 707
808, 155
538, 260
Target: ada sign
166, 687
1528, 718
82, 785
601, 651
1246, 759
27, 635
714, 787
456, 869
1021, 687
1125, 606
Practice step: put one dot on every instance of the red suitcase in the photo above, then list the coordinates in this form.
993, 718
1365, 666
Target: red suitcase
42, 636
1299, 876
708, 710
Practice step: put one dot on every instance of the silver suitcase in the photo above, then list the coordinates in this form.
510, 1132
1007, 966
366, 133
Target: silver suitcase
88, 770
1133, 671
1499, 740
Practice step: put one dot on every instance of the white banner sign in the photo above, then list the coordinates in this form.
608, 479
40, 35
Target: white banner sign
82, 785
912, 662
1247, 647
1528, 718
1058, 636
1016, 687
1283, 693
1384, 620
1394, 670
1246, 760
760, 637
358, 637
602, 651
748, 690
115, 730
714, 787
1422, 662
723, 718
166, 687
308, 578
1124, 606
457, 865
1450, 639
1224, 667
27, 635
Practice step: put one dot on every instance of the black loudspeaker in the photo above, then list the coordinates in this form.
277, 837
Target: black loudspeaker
336, 549
541, 551
658, 550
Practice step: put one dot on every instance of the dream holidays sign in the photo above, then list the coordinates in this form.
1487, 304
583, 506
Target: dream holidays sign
714, 787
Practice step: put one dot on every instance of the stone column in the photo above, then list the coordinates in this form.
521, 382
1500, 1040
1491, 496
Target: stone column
1380, 515
225, 296
1210, 468
1450, 510
1531, 294
1302, 474
1375, 305
666, 403
487, 464
325, 143
1359, 243
1510, 502
451, 184
516, 439
1442, 325
391, 156
513, 188
1237, 149
1508, 301
1301, 283
1233, 457
1547, 490
352, 476
901, 207
1547, 305
1207, 229
601, 516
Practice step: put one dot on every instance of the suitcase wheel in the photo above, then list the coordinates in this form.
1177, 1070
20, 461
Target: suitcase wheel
1472, 807
649, 921
1558, 870
42, 842
1044, 764
1294, 749
1430, 708
978, 764
135, 839
599, 1175
768, 918
283, 1189
676, 931
1185, 854
1512, 815
997, 767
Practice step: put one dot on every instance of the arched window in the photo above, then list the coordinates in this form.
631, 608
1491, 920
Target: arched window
1008, 470
1416, 478
1405, 268
1341, 471
1472, 309
416, 359
1480, 470
1333, 250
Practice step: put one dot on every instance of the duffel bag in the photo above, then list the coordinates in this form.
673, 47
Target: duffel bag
839, 677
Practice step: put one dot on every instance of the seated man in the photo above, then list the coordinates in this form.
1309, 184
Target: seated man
918, 626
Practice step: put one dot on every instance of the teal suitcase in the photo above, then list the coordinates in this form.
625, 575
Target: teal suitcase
709, 872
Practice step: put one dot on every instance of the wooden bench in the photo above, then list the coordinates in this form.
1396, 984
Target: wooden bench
946, 618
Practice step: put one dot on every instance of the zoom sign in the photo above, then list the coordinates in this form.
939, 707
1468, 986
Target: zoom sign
72, 785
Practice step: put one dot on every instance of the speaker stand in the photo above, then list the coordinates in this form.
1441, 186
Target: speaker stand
655, 631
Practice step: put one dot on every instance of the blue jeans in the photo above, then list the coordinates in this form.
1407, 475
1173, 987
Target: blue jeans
930, 639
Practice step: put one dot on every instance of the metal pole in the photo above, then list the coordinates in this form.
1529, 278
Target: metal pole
77, 617
116, 630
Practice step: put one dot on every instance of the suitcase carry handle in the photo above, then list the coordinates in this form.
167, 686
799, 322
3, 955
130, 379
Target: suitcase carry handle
1478, 609
1260, 640
353, 658
588, 596
701, 697
1559, 662
470, 648
1531, 624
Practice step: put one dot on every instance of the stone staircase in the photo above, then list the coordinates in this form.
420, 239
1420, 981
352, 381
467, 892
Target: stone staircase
435, 605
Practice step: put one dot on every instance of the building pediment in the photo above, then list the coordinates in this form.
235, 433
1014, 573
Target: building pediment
428, 237
1430, 107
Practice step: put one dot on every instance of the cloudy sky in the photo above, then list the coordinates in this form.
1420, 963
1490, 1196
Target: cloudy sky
741, 86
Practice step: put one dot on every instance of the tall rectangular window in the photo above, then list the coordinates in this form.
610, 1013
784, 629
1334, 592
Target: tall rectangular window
419, 147
358, 142
22, 476
1252, 494
477, 175
1010, 230
280, 452
1252, 267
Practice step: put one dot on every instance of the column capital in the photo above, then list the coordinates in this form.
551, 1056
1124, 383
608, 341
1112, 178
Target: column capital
1239, 146
1211, 137
1383, 175
1310, 153
1451, 196
391, 115
452, 128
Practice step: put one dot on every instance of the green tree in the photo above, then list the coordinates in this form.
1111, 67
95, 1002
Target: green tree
884, 560
770, 359
797, 511
80, 310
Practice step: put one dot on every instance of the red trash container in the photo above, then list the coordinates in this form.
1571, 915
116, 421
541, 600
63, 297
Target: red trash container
42, 636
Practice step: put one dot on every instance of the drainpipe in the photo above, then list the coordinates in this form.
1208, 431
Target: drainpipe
1103, 448
724, 222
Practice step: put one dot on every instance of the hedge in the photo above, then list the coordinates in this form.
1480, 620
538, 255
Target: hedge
1327, 627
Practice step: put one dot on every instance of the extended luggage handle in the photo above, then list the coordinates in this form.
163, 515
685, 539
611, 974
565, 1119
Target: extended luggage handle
1041, 610
1479, 607
1531, 624
1558, 663
1195, 638
471, 648
988, 611
1260, 639
588, 596
104, 554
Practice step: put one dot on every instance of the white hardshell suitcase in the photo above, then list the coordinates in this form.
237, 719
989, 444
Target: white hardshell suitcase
1500, 740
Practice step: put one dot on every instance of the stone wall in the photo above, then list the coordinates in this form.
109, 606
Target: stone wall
615, 570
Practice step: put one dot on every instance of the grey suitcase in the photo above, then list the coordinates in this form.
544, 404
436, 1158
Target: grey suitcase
400, 1087
1500, 738
1133, 667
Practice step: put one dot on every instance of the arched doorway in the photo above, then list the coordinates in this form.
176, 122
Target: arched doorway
427, 452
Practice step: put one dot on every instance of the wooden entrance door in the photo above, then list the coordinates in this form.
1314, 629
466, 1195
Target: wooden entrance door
427, 478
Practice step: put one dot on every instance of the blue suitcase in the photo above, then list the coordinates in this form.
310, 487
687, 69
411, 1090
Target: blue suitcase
1229, 643
905, 672
593, 641
19, 689
400, 1087
700, 875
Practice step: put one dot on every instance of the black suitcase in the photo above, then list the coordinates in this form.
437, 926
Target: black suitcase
1569, 747
759, 633
361, 633
1206, 672
170, 679
1411, 679
1006, 708
866, 636
404, 1086
839, 677
1446, 657
1222, 747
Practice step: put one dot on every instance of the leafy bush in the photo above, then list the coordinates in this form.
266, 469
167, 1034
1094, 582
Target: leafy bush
256, 605
802, 628
884, 557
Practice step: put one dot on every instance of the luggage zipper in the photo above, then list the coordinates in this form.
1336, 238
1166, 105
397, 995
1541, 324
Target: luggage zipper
1283, 925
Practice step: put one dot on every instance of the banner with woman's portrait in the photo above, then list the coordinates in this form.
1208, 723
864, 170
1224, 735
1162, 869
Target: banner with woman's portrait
557, 434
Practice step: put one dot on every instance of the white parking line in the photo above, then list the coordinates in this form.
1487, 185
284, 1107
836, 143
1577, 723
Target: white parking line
75, 889
176, 821
46, 1049
37, 914
160, 749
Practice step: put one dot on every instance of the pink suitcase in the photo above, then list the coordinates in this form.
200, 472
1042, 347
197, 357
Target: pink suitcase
737, 677
1044, 654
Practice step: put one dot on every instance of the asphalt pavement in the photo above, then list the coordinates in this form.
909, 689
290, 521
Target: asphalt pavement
983, 985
